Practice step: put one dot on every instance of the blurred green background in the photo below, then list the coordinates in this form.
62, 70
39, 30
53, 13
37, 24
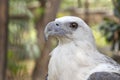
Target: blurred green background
27, 54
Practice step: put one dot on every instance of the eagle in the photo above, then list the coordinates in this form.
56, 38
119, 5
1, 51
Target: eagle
76, 56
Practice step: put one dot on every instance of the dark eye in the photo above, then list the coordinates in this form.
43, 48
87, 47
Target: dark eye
73, 25
57, 24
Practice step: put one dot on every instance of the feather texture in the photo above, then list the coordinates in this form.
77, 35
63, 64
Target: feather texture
76, 56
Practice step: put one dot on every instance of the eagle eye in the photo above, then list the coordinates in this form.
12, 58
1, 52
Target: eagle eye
57, 24
73, 25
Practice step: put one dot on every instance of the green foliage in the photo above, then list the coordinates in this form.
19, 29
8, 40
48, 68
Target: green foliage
111, 29
22, 34
116, 8
22, 39
108, 28
19, 7
13, 66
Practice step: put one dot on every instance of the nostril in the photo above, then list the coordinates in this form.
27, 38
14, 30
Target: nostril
57, 24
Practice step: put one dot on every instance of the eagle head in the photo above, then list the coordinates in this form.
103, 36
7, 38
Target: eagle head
69, 28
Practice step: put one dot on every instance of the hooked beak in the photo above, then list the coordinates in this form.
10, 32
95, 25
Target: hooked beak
53, 29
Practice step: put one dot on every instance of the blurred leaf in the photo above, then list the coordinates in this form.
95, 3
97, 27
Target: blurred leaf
108, 27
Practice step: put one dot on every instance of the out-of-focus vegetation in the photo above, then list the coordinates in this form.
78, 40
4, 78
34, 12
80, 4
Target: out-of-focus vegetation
93, 3
111, 28
24, 15
22, 34
22, 43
